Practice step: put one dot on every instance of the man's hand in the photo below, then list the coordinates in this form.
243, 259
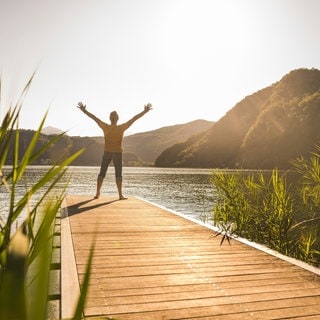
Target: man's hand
82, 106
147, 107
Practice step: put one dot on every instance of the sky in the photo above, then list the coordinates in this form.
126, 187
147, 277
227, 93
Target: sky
192, 59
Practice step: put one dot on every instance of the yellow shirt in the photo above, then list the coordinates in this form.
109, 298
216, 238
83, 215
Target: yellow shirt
113, 135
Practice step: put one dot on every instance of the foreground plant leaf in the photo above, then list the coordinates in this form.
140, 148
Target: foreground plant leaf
13, 276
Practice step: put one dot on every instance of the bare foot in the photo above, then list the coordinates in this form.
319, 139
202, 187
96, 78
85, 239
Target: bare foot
96, 196
123, 198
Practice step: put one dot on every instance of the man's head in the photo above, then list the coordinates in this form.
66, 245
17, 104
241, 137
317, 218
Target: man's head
114, 117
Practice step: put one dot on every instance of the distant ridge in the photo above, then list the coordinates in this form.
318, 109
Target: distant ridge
51, 130
266, 129
148, 145
140, 149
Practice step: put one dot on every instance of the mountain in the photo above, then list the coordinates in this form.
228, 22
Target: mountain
148, 145
51, 130
267, 129
139, 149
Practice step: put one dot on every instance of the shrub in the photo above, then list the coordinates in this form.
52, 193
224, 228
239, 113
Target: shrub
279, 209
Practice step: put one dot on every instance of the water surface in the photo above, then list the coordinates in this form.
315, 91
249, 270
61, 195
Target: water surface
187, 191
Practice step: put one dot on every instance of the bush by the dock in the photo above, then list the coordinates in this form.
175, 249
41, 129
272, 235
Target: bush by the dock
280, 210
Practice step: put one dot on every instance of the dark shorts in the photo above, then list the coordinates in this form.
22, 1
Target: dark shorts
116, 158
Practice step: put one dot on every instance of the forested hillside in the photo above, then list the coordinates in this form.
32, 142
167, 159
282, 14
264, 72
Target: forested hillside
265, 130
149, 145
139, 150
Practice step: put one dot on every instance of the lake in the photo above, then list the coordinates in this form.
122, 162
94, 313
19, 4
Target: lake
187, 191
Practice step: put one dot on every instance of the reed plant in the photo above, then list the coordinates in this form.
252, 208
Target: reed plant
27, 226
278, 209
205, 199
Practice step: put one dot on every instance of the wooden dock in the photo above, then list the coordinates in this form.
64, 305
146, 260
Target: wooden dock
150, 263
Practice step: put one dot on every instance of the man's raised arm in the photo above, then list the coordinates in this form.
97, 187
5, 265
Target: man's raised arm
147, 108
82, 107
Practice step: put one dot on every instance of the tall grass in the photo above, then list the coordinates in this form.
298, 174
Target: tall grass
279, 209
26, 246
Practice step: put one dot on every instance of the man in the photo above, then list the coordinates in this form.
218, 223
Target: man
113, 135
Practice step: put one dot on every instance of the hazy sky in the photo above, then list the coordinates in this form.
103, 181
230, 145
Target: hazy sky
192, 59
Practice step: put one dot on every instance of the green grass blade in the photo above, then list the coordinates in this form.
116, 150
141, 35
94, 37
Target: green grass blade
24, 92
25, 161
47, 221
24, 276
39, 260
85, 286
6, 133
54, 173
12, 291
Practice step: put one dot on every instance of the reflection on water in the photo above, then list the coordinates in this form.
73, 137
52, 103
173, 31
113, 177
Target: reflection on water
187, 191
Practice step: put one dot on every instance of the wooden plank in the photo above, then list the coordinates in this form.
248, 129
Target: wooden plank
70, 288
152, 264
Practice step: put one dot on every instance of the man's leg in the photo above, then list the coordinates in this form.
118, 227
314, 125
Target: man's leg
119, 186
99, 185
117, 162
106, 159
